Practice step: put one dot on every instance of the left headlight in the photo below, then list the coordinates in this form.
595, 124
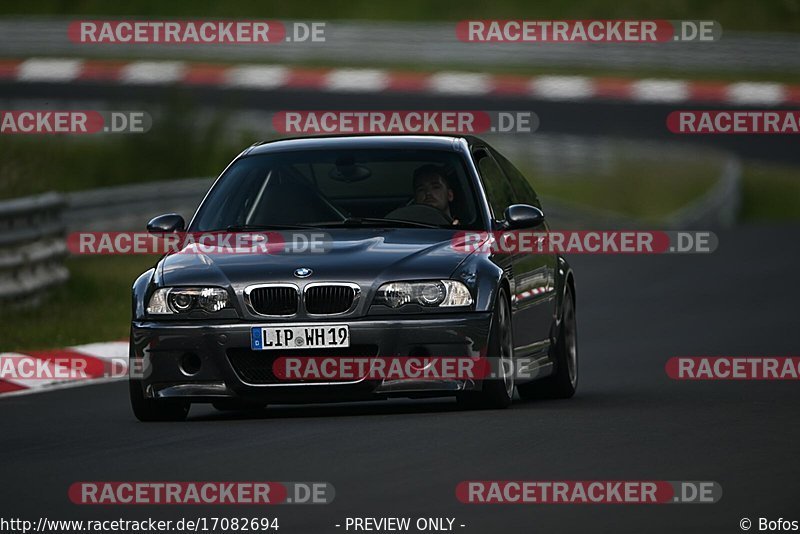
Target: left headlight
434, 293
171, 300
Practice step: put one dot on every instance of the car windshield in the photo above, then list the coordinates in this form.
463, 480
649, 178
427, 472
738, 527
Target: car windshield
331, 188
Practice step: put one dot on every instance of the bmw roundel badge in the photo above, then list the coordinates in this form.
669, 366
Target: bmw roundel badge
303, 272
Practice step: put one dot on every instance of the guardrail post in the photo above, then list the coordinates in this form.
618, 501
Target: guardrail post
32, 248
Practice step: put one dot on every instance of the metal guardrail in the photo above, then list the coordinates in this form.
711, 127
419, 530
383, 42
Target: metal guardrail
430, 43
32, 248
717, 207
129, 207
33, 229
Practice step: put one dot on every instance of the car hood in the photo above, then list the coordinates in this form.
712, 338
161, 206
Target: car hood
363, 256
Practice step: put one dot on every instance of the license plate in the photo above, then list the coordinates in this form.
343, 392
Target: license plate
299, 336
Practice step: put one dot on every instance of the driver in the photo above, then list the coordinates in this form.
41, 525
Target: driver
431, 188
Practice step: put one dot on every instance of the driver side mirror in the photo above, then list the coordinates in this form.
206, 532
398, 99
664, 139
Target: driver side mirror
519, 216
164, 224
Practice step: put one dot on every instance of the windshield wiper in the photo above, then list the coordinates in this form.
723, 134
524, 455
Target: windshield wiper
366, 221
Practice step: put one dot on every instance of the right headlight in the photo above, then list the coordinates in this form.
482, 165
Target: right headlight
171, 300
434, 293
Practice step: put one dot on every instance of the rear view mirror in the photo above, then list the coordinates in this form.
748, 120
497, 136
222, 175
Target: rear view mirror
520, 216
347, 170
164, 224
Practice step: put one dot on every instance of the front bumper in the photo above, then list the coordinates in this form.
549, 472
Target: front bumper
160, 350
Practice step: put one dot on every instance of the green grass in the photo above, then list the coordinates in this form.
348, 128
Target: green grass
174, 147
94, 305
770, 193
648, 191
781, 15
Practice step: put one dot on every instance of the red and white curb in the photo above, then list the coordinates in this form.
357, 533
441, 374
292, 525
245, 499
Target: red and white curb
40, 371
272, 77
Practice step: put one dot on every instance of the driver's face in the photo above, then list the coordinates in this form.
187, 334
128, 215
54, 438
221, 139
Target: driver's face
432, 190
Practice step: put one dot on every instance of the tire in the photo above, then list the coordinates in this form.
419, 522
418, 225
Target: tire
563, 383
496, 393
147, 410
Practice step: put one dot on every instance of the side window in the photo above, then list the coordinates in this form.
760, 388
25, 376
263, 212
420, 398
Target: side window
498, 188
522, 187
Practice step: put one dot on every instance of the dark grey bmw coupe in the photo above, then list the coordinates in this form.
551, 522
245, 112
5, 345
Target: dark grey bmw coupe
387, 282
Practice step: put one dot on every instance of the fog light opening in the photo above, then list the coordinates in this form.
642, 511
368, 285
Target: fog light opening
190, 364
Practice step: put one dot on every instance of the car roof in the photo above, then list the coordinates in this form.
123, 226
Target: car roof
430, 142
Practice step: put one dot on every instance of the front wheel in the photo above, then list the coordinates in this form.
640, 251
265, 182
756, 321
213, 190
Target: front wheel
563, 383
147, 410
498, 391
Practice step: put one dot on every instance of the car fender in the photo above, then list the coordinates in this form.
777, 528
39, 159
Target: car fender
562, 275
483, 277
139, 293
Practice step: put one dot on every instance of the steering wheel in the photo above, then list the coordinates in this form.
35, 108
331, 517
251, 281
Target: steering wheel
420, 213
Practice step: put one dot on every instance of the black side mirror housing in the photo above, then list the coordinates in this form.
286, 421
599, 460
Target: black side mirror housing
519, 216
167, 223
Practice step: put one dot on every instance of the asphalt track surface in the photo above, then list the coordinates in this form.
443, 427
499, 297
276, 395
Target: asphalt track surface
404, 457
586, 118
